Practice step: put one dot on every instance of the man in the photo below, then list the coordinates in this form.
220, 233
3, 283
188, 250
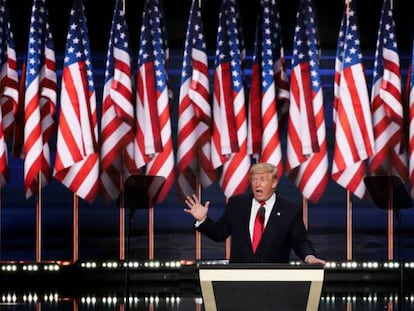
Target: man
281, 222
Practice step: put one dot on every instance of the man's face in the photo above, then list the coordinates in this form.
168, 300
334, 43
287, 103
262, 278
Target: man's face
263, 185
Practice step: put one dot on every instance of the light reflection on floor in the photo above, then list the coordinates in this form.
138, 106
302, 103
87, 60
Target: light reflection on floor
52, 301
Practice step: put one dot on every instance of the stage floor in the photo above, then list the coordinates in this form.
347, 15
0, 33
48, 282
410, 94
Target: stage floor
154, 285
195, 304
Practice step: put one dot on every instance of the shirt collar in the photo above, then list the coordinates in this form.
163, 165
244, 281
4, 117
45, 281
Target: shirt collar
269, 202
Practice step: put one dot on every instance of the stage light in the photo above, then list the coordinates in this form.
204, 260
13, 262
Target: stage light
173, 300
370, 298
391, 265
152, 299
295, 263
89, 300
110, 265
408, 265
9, 298
173, 264
370, 265
51, 267
30, 267
9, 268
134, 300
349, 298
330, 265
110, 300
328, 300
153, 264
51, 297
89, 265
30, 298
349, 265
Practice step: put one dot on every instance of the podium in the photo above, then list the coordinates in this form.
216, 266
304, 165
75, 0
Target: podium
261, 287
140, 192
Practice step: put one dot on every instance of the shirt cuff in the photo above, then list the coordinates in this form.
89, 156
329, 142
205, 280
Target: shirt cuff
199, 222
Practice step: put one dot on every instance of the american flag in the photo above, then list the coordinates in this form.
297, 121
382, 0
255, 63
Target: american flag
118, 109
229, 137
39, 101
9, 94
263, 115
194, 111
77, 156
354, 137
154, 145
307, 155
386, 101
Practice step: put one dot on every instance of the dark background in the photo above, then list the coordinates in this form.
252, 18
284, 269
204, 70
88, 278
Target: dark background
174, 236
99, 16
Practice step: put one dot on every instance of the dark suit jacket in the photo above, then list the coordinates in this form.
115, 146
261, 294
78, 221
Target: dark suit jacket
284, 231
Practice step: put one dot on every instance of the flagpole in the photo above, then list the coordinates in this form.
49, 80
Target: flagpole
198, 234
75, 227
75, 305
228, 248
349, 226
39, 220
227, 244
121, 212
390, 213
390, 217
121, 228
198, 245
390, 231
151, 231
1, 227
305, 211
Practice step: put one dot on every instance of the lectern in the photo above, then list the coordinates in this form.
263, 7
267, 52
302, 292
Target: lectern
264, 287
140, 192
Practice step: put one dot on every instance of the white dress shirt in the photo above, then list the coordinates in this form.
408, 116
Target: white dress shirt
255, 207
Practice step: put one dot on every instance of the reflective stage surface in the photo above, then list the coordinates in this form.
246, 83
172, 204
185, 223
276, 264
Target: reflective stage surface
151, 303
154, 285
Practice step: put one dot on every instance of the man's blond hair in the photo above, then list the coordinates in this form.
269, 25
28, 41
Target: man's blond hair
263, 167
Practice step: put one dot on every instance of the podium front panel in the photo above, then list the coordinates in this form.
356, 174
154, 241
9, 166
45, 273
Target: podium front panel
261, 287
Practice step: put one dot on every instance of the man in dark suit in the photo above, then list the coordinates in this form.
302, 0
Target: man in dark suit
280, 221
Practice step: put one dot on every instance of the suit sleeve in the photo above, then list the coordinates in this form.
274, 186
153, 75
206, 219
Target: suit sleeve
218, 230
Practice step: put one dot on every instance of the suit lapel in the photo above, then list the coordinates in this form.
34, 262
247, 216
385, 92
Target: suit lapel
247, 208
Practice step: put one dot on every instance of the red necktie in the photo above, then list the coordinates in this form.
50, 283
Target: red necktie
258, 225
